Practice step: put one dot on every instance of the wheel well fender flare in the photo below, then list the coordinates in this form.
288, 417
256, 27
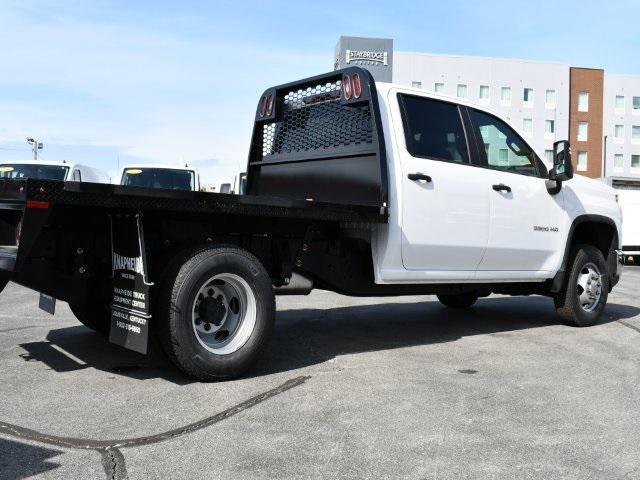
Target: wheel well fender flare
558, 280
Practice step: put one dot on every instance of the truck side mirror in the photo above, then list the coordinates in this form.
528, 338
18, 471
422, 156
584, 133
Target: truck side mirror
562, 168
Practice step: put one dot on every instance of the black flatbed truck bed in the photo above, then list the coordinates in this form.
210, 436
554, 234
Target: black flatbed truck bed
316, 189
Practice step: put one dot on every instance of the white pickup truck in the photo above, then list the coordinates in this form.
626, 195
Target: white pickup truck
360, 188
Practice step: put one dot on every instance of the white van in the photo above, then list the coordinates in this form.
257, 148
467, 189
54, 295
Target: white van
47, 170
159, 176
630, 204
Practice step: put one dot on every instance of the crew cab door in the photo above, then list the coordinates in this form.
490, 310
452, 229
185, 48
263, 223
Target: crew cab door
527, 222
445, 200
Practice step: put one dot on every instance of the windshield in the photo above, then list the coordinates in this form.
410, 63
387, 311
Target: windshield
29, 170
159, 178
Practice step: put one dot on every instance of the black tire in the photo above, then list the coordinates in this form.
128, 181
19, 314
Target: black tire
187, 274
3, 283
458, 300
567, 301
97, 317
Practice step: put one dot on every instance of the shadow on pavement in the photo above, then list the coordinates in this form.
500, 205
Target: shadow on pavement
76, 348
305, 337
20, 460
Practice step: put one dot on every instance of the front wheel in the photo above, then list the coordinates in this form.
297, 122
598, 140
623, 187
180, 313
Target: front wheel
584, 296
216, 312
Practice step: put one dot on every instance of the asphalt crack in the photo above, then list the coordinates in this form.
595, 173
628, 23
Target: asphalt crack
113, 464
629, 325
113, 460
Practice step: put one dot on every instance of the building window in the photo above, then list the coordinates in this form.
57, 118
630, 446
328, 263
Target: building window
462, 90
635, 161
527, 125
505, 95
548, 156
583, 101
438, 87
484, 92
583, 131
549, 127
415, 84
582, 161
503, 157
619, 132
636, 104
550, 98
528, 96
635, 132
618, 161
620, 102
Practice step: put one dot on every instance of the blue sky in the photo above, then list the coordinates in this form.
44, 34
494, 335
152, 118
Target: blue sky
167, 81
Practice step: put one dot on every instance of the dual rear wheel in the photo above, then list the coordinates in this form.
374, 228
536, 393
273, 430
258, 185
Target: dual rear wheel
213, 315
215, 312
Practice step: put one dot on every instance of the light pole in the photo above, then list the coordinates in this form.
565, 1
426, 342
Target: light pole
35, 146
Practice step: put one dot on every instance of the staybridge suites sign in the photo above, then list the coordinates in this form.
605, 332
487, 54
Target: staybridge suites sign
366, 57
374, 54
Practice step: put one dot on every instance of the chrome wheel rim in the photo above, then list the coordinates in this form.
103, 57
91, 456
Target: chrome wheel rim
589, 287
224, 313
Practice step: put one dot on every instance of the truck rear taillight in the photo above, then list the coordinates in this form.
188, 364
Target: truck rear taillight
37, 204
266, 105
357, 86
263, 106
347, 90
269, 108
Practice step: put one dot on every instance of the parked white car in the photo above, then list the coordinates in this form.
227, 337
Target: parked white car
47, 170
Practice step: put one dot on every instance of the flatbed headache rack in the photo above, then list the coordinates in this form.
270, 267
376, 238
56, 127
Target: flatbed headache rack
316, 139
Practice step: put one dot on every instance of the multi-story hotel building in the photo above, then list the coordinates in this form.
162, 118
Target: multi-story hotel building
547, 101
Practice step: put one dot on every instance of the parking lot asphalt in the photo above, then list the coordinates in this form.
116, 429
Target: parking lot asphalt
351, 388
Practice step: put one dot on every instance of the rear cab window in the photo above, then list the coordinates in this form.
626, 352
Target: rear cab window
433, 129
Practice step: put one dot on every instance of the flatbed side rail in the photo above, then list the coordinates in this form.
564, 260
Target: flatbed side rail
39, 193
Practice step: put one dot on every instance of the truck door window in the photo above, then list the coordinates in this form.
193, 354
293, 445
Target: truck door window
433, 129
504, 148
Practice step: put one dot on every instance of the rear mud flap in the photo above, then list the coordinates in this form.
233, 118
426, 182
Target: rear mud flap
130, 310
